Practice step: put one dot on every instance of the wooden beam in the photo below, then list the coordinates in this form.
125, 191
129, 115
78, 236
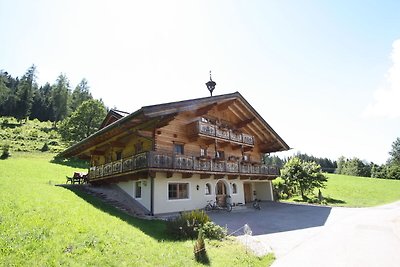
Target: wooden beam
218, 176
204, 110
205, 176
225, 105
145, 134
169, 174
232, 177
116, 144
187, 175
152, 174
244, 123
244, 177
97, 153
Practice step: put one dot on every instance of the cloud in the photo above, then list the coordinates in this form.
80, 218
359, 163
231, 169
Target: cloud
386, 99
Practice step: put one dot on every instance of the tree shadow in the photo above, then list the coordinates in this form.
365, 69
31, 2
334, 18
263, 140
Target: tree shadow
153, 228
71, 162
330, 200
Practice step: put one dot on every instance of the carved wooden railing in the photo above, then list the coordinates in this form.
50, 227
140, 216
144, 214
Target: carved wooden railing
167, 161
212, 130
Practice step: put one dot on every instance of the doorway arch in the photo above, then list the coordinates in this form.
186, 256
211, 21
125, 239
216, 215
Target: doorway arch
222, 190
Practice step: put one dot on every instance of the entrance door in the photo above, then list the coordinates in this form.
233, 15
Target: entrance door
247, 193
221, 193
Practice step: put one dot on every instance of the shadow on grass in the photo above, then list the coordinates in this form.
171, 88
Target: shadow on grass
330, 200
71, 162
153, 228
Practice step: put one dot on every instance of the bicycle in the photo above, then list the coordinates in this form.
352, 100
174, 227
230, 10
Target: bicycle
213, 205
256, 204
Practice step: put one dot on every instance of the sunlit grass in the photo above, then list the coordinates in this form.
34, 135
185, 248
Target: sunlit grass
353, 191
42, 224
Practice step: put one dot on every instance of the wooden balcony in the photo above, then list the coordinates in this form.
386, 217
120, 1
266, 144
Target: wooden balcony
199, 128
159, 161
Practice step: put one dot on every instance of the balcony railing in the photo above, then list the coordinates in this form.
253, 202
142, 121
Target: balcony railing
212, 130
165, 161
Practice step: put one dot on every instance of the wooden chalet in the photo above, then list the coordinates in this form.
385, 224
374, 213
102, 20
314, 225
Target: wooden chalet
175, 156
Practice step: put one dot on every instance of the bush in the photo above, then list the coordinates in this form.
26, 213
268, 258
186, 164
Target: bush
6, 151
45, 147
187, 224
213, 231
200, 253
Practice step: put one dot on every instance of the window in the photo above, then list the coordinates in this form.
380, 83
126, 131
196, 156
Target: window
138, 147
178, 191
220, 154
118, 155
208, 189
138, 189
234, 188
178, 149
203, 152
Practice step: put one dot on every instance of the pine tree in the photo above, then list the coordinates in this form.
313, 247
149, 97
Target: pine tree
60, 94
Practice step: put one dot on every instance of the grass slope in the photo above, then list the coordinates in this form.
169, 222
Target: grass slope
42, 224
353, 191
30, 136
360, 191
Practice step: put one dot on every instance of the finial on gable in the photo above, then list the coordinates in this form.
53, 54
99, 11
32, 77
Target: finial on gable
211, 85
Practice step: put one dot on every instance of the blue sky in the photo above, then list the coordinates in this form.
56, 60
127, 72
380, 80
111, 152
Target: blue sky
324, 74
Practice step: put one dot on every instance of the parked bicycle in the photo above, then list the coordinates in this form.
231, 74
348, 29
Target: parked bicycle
213, 205
256, 204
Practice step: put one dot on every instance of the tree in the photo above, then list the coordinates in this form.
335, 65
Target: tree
303, 176
24, 93
84, 121
395, 153
60, 93
80, 94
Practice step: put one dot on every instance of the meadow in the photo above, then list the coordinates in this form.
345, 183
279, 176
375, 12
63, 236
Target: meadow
42, 224
354, 191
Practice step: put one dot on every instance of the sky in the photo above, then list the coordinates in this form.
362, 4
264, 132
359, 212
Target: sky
324, 74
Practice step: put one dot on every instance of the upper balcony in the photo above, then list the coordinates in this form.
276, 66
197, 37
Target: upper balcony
206, 129
170, 163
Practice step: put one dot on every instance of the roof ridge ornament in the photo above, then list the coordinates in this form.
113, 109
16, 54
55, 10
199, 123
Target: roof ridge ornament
211, 85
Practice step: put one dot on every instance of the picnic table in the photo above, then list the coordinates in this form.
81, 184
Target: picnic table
78, 178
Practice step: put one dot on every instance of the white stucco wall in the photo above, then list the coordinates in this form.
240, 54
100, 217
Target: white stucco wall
129, 187
197, 198
263, 190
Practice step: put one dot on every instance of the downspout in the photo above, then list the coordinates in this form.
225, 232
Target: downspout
152, 196
151, 177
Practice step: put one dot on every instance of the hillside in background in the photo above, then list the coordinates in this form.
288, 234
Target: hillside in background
30, 136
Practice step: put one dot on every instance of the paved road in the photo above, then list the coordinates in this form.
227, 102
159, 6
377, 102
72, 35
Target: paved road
302, 235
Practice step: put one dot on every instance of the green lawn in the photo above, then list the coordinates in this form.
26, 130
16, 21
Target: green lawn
352, 191
361, 191
42, 224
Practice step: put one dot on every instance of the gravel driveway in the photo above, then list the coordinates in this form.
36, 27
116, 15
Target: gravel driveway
304, 235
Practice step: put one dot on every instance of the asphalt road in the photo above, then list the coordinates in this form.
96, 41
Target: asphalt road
303, 235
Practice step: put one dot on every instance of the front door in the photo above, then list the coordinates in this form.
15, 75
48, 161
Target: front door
221, 193
247, 192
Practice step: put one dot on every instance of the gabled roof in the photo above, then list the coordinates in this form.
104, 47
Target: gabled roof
168, 111
112, 116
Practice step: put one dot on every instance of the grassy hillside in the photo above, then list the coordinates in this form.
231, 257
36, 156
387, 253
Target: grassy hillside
30, 136
42, 224
353, 191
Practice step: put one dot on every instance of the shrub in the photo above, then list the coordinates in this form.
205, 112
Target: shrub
187, 224
213, 231
6, 151
45, 147
200, 253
